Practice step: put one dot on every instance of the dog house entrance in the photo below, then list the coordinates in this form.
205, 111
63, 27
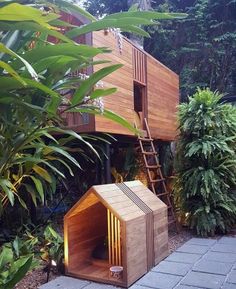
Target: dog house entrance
94, 241
123, 226
108, 251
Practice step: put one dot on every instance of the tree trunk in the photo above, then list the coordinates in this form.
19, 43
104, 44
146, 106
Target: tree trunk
142, 5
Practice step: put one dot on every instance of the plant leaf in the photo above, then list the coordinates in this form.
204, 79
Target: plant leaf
43, 173
30, 69
39, 187
88, 84
11, 71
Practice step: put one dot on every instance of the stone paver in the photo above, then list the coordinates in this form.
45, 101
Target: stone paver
159, 280
135, 286
186, 287
220, 257
232, 277
183, 257
228, 240
201, 242
229, 286
224, 248
63, 282
213, 267
94, 285
198, 264
174, 268
194, 249
203, 280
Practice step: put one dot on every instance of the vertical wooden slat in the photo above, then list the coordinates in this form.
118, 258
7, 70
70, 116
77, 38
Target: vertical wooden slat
138, 63
139, 66
109, 235
119, 245
116, 239
112, 240
145, 69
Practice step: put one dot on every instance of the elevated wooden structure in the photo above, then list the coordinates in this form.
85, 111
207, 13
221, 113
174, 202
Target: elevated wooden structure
146, 89
133, 223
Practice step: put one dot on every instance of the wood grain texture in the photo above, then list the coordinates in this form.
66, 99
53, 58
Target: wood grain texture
122, 101
161, 97
134, 220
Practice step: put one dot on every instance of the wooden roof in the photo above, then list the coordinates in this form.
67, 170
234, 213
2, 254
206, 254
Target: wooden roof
127, 201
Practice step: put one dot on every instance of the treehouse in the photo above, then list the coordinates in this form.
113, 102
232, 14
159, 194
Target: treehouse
122, 225
146, 89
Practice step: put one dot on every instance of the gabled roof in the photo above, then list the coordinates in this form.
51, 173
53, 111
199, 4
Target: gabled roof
126, 201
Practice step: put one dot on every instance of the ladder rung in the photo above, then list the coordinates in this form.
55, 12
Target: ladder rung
146, 143
149, 153
162, 194
153, 167
157, 180
171, 222
145, 139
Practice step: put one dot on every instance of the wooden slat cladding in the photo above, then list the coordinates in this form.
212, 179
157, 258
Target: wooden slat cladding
139, 60
120, 102
163, 98
162, 89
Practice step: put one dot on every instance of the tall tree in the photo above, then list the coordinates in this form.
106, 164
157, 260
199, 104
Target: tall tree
100, 7
201, 48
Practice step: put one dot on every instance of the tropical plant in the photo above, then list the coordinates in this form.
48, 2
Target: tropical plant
52, 250
16, 259
34, 77
206, 163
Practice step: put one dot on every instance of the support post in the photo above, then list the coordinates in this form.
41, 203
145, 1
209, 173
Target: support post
108, 164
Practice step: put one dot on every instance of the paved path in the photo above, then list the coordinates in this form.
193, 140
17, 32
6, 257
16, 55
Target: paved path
199, 263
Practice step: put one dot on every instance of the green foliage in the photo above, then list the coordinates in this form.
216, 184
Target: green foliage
98, 7
34, 75
53, 247
24, 253
16, 259
206, 163
202, 47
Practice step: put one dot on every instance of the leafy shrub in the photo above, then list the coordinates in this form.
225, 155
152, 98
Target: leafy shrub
206, 163
16, 259
53, 248
34, 75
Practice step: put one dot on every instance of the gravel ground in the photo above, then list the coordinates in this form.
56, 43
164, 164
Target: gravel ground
38, 277
34, 279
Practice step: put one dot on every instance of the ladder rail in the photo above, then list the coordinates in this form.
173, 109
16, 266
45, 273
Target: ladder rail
155, 165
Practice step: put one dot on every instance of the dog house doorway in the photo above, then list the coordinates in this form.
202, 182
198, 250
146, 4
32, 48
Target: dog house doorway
95, 245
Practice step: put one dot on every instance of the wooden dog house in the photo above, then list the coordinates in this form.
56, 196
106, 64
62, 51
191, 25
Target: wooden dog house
126, 216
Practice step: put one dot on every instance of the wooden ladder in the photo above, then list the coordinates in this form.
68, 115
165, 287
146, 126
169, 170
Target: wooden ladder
158, 185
